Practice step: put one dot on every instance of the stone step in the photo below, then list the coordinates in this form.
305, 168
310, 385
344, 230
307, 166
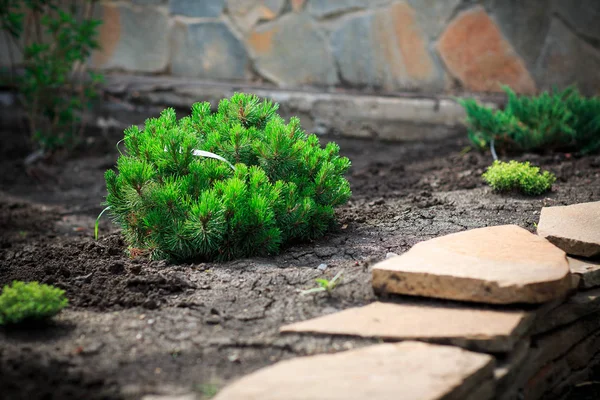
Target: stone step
574, 228
499, 265
408, 370
474, 328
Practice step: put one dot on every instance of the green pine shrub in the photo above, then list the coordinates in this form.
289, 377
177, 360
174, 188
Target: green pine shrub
556, 121
174, 202
520, 177
25, 302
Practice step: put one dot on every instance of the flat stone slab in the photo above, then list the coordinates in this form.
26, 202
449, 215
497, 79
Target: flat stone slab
588, 270
408, 370
575, 307
574, 228
499, 265
473, 328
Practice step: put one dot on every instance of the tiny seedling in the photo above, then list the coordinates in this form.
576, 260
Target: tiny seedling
207, 390
324, 285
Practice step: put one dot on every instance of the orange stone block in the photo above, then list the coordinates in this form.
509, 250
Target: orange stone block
413, 48
475, 52
108, 35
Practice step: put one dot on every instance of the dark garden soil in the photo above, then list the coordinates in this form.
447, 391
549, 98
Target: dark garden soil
136, 327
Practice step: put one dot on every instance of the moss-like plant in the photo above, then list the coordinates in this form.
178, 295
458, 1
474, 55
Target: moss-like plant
227, 184
32, 301
560, 120
516, 176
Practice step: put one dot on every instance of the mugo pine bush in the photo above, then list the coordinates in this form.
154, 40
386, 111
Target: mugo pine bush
175, 200
561, 120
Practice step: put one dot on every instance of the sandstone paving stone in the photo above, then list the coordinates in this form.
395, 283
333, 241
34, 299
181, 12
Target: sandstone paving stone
484, 60
587, 270
408, 370
501, 265
572, 309
474, 328
574, 228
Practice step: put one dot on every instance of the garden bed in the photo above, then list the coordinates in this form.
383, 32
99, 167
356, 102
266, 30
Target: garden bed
136, 327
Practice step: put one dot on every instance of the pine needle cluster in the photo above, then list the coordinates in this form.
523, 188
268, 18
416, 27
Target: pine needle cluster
176, 201
555, 121
520, 177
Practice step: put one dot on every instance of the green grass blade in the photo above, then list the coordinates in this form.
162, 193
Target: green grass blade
98, 222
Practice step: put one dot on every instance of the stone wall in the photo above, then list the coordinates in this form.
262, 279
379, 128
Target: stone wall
373, 45
379, 45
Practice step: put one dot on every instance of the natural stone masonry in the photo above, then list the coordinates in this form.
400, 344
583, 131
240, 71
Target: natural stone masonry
501, 264
246, 14
292, 51
476, 53
195, 8
525, 24
566, 58
589, 271
409, 370
474, 328
385, 49
207, 49
574, 228
574, 308
132, 39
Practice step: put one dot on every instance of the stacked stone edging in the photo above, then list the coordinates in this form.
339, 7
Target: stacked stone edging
536, 351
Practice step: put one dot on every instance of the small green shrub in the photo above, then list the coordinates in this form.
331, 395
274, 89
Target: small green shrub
174, 200
55, 87
31, 301
560, 120
521, 177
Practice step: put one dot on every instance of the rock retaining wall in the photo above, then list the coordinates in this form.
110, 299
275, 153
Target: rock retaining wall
384, 45
473, 350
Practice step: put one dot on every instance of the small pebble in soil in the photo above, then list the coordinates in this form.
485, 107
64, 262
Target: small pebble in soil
322, 267
390, 255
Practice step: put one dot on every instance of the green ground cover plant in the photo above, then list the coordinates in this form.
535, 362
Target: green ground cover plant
49, 43
222, 185
553, 121
519, 177
27, 302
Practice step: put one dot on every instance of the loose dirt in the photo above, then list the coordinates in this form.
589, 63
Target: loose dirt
137, 327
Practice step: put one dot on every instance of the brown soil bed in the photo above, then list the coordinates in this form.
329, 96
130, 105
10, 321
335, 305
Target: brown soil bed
136, 327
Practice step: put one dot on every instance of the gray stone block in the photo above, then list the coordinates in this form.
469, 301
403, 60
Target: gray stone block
325, 8
197, 8
293, 51
207, 50
133, 39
